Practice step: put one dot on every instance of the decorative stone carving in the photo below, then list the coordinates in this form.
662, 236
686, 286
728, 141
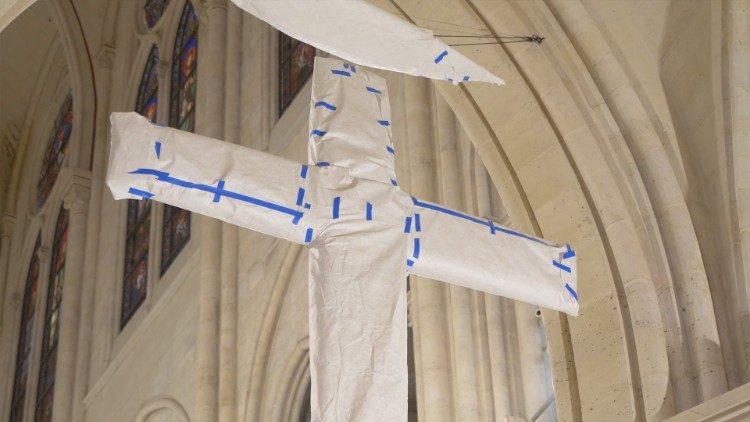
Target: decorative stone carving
76, 200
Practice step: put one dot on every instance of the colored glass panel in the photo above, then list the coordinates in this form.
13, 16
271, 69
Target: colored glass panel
55, 152
153, 10
295, 66
23, 354
48, 362
138, 226
176, 221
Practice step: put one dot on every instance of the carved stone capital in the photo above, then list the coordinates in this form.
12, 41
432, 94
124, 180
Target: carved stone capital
43, 254
7, 225
76, 199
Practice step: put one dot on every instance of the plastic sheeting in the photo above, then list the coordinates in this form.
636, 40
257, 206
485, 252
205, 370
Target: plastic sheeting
360, 32
364, 233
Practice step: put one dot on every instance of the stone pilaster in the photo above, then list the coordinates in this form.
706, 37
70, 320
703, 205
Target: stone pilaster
76, 201
6, 230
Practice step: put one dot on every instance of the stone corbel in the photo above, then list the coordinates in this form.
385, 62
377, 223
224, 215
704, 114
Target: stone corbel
76, 187
7, 225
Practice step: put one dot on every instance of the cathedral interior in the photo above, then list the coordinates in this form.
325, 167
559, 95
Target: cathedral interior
616, 133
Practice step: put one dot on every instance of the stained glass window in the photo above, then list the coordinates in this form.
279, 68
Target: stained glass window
55, 152
48, 362
138, 225
153, 9
23, 355
176, 223
295, 66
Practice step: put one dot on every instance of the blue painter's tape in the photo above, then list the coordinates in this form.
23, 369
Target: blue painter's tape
450, 80
384, 122
308, 235
326, 105
441, 56
417, 223
572, 291
219, 189
390, 149
473, 219
323, 164
407, 225
163, 176
466, 78
300, 196
307, 205
570, 253
350, 67
157, 147
409, 263
142, 193
375, 90
561, 266
336, 206
394, 182
368, 212
493, 228
303, 171
341, 72
416, 248
316, 132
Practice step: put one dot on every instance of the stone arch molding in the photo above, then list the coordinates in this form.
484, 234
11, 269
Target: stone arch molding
162, 409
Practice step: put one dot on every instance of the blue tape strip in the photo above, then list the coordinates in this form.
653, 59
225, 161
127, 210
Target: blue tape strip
307, 205
368, 212
341, 72
308, 235
473, 219
350, 67
375, 90
390, 149
323, 164
336, 205
417, 223
416, 248
450, 80
441, 56
570, 252
561, 266
394, 182
300, 196
303, 171
163, 176
407, 225
316, 132
572, 291
384, 122
142, 193
409, 263
157, 147
219, 188
466, 78
326, 105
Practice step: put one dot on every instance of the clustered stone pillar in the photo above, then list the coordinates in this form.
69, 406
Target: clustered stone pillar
76, 201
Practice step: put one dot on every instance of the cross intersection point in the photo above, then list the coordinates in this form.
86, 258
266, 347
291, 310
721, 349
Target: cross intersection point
365, 234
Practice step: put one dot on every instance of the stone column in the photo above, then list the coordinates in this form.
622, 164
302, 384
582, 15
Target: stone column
229, 233
76, 201
6, 229
428, 296
464, 364
211, 118
737, 47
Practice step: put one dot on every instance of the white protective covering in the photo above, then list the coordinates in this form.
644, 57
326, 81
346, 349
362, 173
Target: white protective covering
365, 234
363, 33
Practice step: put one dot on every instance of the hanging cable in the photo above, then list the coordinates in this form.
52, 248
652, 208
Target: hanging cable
510, 39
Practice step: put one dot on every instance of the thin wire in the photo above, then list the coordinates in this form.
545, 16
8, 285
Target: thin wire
506, 40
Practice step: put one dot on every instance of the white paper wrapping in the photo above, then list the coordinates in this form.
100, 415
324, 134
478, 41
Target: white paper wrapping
360, 32
365, 234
